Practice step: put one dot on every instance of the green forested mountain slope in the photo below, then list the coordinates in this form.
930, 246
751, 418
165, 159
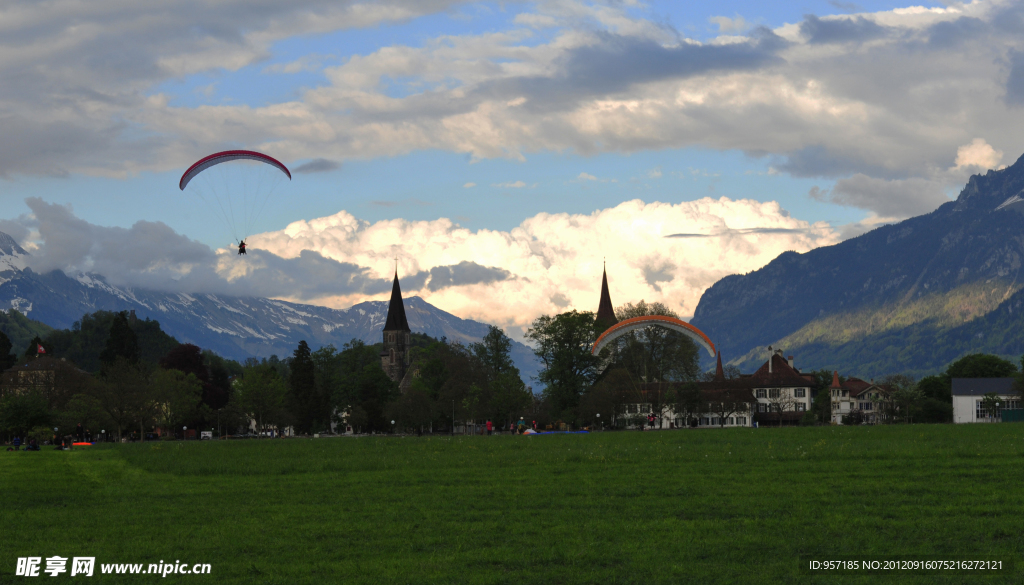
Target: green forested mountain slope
21, 330
908, 297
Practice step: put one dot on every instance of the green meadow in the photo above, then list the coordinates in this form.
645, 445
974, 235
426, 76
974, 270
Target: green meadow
709, 506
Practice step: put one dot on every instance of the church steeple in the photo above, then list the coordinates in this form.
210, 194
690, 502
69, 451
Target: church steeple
605, 311
396, 310
719, 372
394, 358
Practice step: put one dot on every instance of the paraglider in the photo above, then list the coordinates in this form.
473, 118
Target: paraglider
236, 185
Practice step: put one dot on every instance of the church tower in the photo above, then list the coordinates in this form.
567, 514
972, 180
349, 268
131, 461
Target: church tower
605, 311
394, 359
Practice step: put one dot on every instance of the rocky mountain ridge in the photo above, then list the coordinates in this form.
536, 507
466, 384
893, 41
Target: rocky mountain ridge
932, 279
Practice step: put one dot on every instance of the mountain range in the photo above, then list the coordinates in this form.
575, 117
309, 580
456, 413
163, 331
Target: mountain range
233, 327
909, 297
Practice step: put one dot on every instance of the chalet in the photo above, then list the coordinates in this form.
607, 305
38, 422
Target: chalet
868, 400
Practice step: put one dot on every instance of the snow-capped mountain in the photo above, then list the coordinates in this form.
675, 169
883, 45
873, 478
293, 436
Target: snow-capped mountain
234, 327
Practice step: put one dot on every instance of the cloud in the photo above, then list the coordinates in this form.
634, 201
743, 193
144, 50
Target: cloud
898, 198
841, 30
978, 155
552, 262
654, 173
510, 185
319, 165
464, 273
729, 25
469, 185
549, 263
890, 95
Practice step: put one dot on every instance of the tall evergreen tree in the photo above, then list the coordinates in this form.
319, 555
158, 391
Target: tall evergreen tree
495, 352
122, 342
7, 359
302, 386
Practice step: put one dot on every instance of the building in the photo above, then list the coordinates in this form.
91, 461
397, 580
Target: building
605, 311
394, 358
782, 392
970, 404
865, 400
777, 394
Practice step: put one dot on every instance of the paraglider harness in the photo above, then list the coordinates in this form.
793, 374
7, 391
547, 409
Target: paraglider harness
241, 247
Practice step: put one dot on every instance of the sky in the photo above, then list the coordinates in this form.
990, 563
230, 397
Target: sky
500, 153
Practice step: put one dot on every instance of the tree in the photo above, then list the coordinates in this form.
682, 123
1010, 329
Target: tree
655, 354
563, 344
904, 403
363, 390
7, 359
509, 396
21, 412
326, 379
261, 395
726, 402
32, 349
981, 365
302, 388
495, 352
190, 359
412, 410
126, 396
179, 395
688, 402
122, 342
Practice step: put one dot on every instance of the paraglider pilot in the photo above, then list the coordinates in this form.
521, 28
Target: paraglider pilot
241, 247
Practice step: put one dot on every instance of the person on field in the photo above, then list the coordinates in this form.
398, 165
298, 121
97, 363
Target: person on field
17, 443
489, 428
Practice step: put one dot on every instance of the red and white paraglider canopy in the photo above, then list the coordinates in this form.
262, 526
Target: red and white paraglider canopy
226, 156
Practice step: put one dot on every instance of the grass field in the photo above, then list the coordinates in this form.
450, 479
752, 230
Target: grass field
720, 506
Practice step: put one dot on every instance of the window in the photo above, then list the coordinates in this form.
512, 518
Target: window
865, 406
714, 421
730, 421
801, 407
762, 407
774, 392
392, 354
979, 411
761, 393
741, 420
800, 392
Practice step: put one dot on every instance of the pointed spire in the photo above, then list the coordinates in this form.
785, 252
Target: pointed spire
835, 379
605, 311
719, 372
396, 309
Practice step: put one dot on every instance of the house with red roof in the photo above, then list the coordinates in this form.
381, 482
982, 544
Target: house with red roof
859, 399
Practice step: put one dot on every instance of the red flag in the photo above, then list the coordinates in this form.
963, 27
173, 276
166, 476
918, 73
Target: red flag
39, 349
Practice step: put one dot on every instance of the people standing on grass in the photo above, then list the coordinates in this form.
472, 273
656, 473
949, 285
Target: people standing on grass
489, 428
17, 443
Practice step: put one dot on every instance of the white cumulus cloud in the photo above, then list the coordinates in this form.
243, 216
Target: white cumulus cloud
655, 251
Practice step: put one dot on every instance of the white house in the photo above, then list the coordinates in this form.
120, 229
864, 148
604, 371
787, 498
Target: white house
969, 395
